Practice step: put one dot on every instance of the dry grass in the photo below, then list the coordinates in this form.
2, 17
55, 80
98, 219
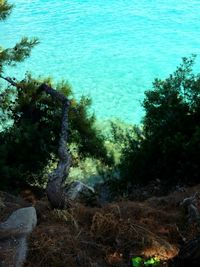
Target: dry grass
109, 236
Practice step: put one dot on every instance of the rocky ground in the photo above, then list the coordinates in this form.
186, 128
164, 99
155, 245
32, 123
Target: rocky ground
110, 235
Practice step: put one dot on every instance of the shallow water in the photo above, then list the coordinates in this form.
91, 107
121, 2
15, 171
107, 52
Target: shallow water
110, 50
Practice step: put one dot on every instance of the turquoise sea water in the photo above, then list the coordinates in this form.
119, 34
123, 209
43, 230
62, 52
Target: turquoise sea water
110, 50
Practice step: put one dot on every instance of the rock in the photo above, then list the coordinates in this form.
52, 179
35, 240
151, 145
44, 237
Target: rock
13, 237
191, 205
78, 191
9, 203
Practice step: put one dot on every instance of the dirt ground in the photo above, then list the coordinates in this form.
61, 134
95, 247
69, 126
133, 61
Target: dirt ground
106, 236
111, 235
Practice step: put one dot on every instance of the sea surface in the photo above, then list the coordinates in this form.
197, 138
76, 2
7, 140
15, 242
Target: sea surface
110, 50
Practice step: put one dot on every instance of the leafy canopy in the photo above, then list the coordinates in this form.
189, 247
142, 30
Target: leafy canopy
5, 9
31, 122
22, 49
168, 148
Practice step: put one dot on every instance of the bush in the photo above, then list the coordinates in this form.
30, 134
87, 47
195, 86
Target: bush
31, 142
30, 122
169, 147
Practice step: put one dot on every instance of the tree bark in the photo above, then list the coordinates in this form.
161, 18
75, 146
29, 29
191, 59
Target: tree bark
56, 179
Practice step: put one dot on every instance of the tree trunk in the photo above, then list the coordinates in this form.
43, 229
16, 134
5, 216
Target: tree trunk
55, 186
56, 179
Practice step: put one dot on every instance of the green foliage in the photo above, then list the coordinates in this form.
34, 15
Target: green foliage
114, 132
30, 122
139, 262
136, 261
32, 141
83, 132
168, 147
10, 56
5, 9
20, 51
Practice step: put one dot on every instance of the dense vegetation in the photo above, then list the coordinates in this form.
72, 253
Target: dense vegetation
31, 120
167, 147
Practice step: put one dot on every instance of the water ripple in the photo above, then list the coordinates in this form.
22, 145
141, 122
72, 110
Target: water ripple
111, 50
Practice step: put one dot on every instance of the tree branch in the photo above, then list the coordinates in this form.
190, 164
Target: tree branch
56, 179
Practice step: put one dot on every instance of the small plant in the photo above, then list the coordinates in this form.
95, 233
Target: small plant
139, 262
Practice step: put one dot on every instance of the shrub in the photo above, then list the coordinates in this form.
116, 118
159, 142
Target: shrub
30, 122
31, 142
168, 147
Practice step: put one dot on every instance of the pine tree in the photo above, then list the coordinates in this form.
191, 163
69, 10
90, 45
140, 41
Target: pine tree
36, 130
5, 9
21, 50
